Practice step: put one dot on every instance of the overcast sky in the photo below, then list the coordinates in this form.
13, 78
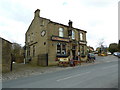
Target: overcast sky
98, 17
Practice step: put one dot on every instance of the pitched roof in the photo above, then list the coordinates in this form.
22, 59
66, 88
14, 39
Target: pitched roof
63, 25
57, 23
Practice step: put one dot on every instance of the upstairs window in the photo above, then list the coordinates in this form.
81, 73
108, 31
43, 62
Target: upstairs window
60, 32
81, 36
28, 38
32, 35
73, 34
42, 22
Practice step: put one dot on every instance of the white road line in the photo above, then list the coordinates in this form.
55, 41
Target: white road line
112, 61
72, 76
109, 67
108, 61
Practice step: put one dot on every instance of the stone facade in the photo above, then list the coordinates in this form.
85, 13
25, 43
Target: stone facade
5, 50
46, 40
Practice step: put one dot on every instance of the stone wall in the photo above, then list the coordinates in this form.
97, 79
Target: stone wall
6, 56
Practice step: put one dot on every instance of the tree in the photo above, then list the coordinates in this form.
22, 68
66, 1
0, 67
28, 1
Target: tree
100, 43
17, 52
102, 49
113, 47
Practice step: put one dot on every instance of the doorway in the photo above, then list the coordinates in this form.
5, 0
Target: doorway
74, 52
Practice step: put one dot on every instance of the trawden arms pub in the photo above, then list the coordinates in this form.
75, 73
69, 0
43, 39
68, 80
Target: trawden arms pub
47, 40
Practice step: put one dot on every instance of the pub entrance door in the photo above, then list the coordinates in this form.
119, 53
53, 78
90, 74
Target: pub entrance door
74, 52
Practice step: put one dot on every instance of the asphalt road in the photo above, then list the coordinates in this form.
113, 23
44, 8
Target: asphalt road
102, 74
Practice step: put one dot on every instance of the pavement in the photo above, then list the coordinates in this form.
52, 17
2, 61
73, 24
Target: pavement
26, 70
102, 74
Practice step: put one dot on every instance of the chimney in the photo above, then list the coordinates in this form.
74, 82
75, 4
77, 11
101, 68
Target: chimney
37, 12
70, 23
70, 28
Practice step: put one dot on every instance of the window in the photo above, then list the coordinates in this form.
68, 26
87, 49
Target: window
58, 49
28, 51
61, 49
42, 23
60, 32
31, 36
28, 38
33, 51
82, 50
81, 36
73, 34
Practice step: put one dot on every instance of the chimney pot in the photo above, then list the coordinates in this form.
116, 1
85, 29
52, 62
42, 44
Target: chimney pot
37, 12
70, 23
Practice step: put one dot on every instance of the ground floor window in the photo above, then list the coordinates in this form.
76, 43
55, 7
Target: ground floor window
61, 49
33, 51
82, 50
58, 48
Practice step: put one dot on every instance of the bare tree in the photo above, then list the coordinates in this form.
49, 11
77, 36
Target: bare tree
101, 42
17, 52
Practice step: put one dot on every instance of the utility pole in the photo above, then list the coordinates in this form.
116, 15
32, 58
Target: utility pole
11, 65
119, 46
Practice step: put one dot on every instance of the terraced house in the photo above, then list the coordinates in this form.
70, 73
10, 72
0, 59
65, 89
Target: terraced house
46, 40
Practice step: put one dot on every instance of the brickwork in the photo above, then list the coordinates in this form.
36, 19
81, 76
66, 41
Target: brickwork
6, 55
39, 35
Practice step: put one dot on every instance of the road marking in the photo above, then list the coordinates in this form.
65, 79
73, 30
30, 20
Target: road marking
112, 61
72, 76
108, 61
109, 67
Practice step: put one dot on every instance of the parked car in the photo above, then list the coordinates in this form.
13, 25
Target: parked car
118, 55
115, 53
109, 53
91, 57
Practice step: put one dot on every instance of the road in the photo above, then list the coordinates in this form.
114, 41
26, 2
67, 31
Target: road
102, 74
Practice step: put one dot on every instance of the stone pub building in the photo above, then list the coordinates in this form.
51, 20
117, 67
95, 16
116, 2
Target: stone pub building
46, 40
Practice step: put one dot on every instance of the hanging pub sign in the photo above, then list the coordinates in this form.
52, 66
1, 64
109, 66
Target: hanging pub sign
56, 38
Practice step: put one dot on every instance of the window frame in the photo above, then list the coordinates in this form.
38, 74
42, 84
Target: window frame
58, 53
32, 36
34, 50
73, 34
62, 50
61, 32
28, 38
81, 36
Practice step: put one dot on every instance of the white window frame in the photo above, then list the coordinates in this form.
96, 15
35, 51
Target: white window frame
61, 50
73, 34
81, 36
61, 34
